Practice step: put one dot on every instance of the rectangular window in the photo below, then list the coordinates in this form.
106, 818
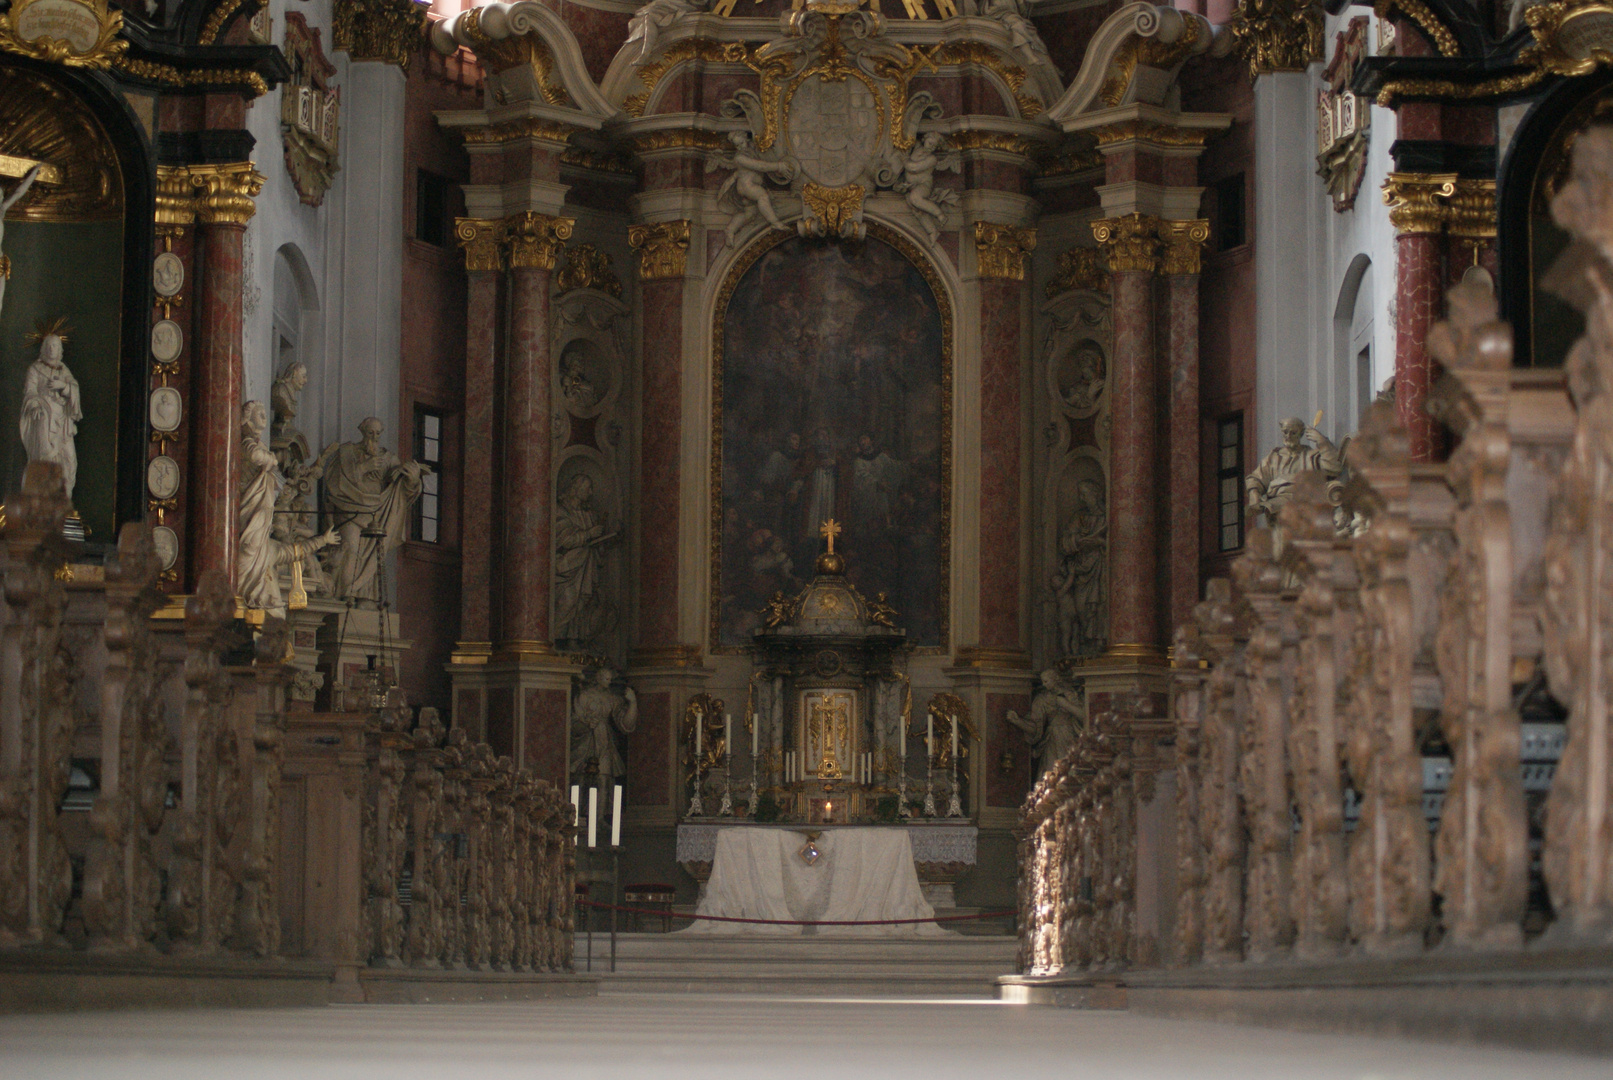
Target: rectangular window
1229, 481
1229, 218
431, 208
428, 451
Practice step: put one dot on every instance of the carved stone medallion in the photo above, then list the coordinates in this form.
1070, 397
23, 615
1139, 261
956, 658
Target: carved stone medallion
167, 274
166, 542
167, 339
166, 408
162, 476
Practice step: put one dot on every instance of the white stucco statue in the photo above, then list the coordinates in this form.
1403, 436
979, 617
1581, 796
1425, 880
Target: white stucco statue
918, 181
745, 191
597, 714
6, 203
1268, 485
648, 21
1058, 713
581, 613
368, 492
51, 410
260, 556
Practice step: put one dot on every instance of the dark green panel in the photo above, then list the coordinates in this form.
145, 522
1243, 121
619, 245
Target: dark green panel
73, 270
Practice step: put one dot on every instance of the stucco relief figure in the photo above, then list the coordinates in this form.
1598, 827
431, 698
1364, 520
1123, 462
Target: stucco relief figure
580, 612
6, 203
292, 520
929, 154
575, 385
1080, 585
1021, 31
1058, 715
648, 21
599, 715
260, 555
1268, 485
51, 410
367, 490
745, 192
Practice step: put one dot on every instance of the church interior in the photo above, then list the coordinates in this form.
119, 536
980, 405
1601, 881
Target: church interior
611, 534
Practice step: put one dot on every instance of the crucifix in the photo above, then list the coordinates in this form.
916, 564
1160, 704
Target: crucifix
829, 530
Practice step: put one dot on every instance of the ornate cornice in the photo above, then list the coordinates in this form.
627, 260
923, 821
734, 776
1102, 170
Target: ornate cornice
1147, 131
1417, 11
1414, 201
501, 54
386, 30
74, 33
1182, 246
597, 160
703, 49
1150, 52
480, 239
588, 268
1079, 268
529, 127
1276, 35
663, 249
679, 139
1001, 250
535, 239
1130, 243
994, 140
225, 193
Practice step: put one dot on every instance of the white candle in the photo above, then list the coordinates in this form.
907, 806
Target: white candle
728, 735
593, 814
929, 735
697, 726
902, 727
576, 803
616, 818
755, 735
954, 738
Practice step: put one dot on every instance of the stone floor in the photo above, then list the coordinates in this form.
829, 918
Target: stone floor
714, 1038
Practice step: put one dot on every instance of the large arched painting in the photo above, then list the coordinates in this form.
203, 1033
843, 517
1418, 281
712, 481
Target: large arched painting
833, 382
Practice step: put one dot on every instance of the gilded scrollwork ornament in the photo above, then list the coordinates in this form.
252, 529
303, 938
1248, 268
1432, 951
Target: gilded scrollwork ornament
1277, 35
663, 248
75, 33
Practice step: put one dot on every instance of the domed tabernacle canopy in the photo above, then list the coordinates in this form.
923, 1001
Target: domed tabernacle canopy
829, 606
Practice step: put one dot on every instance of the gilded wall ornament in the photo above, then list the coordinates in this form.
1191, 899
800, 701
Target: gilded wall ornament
76, 33
1182, 245
1343, 120
1277, 35
310, 109
479, 237
663, 249
225, 192
385, 30
1414, 201
41, 123
535, 239
1078, 269
588, 268
1130, 243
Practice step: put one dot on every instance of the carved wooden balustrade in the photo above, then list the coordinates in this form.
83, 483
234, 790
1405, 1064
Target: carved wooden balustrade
1364, 726
455, 858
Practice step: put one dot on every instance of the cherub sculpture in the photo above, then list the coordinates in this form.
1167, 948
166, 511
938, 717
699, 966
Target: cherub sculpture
745, 191
929, 154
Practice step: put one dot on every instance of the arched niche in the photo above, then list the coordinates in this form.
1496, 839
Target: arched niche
1544, 325
1353, 327
80, 250
853, 340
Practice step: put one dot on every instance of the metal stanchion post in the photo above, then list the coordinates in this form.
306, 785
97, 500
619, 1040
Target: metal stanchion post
615, 900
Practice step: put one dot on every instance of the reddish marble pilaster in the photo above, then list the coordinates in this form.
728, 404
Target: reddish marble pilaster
1000, 409
215, 403
524, 582
1183, 243
1133, 500
1418, 213
482, 241
661, 447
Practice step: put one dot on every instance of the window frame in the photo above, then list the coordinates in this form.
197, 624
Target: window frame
431, 494
1233, 472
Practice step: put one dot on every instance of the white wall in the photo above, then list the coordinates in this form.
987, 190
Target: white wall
1304, 251
352, 244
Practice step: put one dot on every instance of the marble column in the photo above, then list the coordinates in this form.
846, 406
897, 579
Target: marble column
534, 241
1001, 252
224, 205
663, 249
1418, 216
1131, 247
1179, 264
480, 239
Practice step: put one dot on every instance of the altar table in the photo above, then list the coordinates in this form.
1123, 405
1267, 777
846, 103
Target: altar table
860, 875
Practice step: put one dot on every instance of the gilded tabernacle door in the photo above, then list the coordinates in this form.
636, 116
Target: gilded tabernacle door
831, 720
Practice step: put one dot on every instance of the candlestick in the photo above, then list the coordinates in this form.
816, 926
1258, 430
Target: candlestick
616, 818
902, 727
593, 814
955, 803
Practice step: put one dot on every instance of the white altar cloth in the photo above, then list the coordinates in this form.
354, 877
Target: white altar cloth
862, 874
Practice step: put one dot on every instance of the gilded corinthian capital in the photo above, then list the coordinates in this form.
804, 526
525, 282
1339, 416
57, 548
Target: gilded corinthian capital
480, 239
1277, 35
224, 193
663, 249
535, 239
1130, 243
1414, 201
1183, 244
385, 30
1001, 250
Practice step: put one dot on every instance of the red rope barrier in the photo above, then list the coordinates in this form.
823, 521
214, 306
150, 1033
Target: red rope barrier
795, 922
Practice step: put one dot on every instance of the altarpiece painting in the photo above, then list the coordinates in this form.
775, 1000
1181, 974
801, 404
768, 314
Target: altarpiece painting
833, 382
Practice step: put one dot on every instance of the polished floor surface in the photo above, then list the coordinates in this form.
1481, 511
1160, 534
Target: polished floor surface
718, 1038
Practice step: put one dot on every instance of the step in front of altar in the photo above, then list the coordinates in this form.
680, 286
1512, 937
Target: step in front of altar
817, 966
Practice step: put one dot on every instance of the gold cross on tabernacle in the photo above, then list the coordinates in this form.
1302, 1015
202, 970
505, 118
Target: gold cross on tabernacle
829, 530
